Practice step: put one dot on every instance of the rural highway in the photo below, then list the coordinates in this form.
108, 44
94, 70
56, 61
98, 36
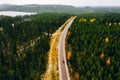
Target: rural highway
62, 63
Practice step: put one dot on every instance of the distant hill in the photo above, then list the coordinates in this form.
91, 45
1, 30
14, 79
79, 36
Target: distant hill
57, 8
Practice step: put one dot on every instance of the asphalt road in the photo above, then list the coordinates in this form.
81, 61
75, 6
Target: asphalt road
63, 68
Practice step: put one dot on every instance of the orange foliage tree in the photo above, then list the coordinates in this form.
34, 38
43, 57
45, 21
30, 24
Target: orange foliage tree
102, 55
106, 39
68, 33
68, 55
76, 76
108, 61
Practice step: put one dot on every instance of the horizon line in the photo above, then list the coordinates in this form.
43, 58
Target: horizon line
62, 5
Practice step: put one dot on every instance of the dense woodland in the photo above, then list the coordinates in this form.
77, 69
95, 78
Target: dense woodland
94, 41
59, 8
24, 43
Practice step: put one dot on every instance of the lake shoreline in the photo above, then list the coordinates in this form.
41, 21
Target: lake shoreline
15, 13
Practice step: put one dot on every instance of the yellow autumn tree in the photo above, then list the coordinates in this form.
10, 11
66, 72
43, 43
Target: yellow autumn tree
82, 20
119, 23
92, 20
68, 55
108, 61
110, 24
106, 39
1, 29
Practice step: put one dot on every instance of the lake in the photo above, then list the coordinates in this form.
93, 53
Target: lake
15, 13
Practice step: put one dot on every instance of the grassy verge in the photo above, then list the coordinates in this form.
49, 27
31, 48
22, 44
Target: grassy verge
52, 67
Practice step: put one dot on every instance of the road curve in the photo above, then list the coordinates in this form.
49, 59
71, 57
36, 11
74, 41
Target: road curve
62, 63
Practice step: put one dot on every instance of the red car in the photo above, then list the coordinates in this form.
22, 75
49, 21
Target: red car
63, 61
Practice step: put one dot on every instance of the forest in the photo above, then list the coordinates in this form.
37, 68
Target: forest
94, 44
24, 43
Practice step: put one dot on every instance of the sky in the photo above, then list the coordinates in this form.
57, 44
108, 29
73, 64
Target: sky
76, 3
